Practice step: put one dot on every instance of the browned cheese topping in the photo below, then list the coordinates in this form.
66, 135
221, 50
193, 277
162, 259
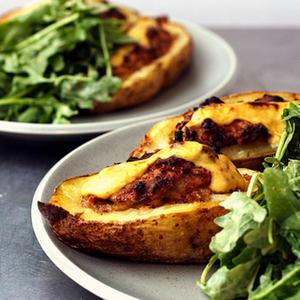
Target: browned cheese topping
167, 181
217, 136
139, 56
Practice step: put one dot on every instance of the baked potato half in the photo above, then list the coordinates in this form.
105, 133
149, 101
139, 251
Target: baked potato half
161, 52
159, 209
246, 127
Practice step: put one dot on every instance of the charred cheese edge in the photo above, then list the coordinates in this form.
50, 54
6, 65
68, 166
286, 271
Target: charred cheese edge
110, 180
161, 135
268, 114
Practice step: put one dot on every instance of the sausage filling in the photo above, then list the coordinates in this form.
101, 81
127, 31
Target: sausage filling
167, 181
238, 132
160, 42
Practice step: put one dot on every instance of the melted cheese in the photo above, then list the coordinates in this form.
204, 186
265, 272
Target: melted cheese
161, 134
67, 196
139, 30
223, 114
139, 33
225, 177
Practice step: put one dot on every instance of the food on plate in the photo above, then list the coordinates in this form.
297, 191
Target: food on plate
156, 209
246, 127
60, 58
258, 249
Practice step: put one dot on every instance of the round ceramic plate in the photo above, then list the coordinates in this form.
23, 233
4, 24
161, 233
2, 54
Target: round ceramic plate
110, 278
213, 67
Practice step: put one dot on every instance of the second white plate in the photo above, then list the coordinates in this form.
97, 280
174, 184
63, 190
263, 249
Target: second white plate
213, 67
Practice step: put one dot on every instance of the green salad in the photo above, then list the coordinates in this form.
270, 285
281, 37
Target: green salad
258, 249
55, 61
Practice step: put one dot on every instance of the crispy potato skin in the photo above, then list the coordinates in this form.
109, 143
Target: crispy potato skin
253, 156
178, 238
138, 92
160, 74
145, 83
171, 237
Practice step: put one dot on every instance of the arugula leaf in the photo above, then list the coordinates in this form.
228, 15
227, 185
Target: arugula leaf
289, 146
290, 229
287, 286
281, 201
87, 92
58, 53
262, 237
227, 284
296, 296
293, 172
244, 214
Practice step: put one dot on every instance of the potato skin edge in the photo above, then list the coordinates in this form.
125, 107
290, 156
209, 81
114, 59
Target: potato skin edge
157, 80
176, 238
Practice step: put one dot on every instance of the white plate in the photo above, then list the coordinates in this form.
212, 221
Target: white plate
107, 277
213, 67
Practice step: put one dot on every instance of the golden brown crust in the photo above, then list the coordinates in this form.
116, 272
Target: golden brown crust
128, 96
182, 237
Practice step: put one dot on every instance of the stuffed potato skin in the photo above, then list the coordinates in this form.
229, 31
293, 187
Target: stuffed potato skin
160, 74
176, 234
145, 82
176, 230
247, 154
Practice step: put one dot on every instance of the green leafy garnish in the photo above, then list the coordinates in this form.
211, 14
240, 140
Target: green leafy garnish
55, 61
258, 248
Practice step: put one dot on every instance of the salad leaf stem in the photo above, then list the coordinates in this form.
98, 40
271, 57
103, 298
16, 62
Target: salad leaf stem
206, 270
40, 34
105, 51
270, 232
252, 184
23, 101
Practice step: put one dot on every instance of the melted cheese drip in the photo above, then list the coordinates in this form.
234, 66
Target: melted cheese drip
268, 115
138, 32
225, 177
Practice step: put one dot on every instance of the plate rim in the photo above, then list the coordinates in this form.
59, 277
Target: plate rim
11, 127
61, 261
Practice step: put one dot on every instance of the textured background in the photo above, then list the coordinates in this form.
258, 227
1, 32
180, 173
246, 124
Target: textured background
254, 13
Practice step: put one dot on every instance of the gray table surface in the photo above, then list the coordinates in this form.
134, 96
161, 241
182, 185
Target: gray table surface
268, 60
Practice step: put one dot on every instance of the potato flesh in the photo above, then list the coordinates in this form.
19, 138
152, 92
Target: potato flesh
248, 151
67, 196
